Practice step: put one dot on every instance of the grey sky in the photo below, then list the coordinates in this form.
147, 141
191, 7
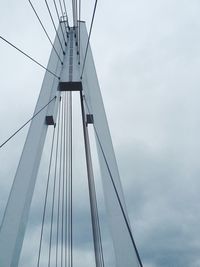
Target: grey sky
147, 59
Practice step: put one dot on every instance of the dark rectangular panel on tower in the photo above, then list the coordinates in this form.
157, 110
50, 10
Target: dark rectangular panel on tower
70, 86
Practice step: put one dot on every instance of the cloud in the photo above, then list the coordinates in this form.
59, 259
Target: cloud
147, 59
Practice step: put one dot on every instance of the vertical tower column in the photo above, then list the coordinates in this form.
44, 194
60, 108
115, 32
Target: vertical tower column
92, 193
17, 210
126, 253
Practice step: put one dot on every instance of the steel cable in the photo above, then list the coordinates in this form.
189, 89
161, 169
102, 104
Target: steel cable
63, 182
45, 201
56, 8
61, 8
116, 192
67, 182
42, 25
73, 12
88, 41
54, 26
65, 11
79, 33
59, 187
64, 193
62, 12
32, 59
92, 194
54, 187
118, 198
71, 184
27, 122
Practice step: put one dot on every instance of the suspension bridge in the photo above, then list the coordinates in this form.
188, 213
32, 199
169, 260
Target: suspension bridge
70, 73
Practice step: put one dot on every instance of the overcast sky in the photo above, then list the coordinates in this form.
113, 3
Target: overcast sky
147, 59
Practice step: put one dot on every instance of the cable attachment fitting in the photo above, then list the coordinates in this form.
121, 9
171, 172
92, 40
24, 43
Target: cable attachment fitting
89, 119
